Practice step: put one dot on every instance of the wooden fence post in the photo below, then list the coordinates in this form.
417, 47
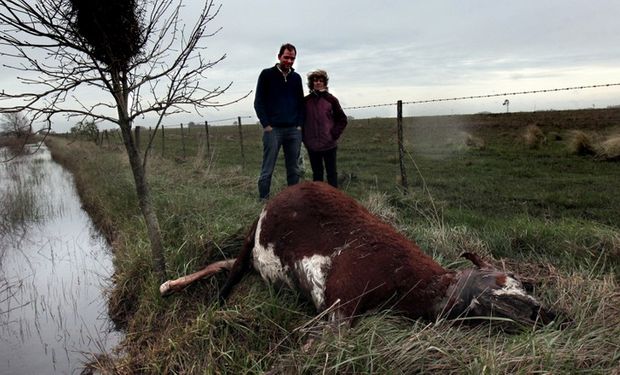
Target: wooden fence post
151, 144
183, 141
401, 148
241, 141
163, 141
207, 137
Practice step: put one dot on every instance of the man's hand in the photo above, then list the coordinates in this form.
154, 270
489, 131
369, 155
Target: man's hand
268, 128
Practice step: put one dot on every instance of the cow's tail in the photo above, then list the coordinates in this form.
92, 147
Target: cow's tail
242, 264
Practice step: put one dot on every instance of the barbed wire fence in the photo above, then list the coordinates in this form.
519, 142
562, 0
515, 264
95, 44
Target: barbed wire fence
486, 95
237, 120
399, 114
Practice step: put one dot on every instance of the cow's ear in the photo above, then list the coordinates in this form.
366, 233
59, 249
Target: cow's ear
476, 260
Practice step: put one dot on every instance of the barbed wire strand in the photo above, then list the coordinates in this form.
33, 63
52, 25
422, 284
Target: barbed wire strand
228, 119
487, 95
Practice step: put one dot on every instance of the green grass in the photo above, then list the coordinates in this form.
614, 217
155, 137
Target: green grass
544, 213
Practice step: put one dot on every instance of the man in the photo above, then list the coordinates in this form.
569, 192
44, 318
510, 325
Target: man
279, 105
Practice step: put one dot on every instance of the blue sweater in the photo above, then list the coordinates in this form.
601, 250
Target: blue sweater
279, 102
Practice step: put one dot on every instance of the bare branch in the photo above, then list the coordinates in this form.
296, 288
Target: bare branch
38, 41
69, 56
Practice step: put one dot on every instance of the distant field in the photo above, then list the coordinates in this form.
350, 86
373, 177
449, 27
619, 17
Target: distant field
502, 178
489, 183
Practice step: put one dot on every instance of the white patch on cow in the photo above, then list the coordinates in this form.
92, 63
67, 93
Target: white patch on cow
312, 271
265, 261
512, 287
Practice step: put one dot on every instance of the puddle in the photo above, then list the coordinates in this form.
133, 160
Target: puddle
54, 266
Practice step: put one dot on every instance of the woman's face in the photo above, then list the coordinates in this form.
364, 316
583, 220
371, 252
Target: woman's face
318, 83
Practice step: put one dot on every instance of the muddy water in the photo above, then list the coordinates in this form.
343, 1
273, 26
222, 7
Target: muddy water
54, 266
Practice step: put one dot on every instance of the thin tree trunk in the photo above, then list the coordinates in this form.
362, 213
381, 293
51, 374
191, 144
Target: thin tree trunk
119, 89
145, 202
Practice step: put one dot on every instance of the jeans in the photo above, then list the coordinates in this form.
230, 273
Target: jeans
317, 158
290, 140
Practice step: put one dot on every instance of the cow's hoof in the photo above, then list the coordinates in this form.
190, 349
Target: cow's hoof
164, 289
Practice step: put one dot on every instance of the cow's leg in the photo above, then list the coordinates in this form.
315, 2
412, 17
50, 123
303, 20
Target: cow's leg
172, 286
242, 264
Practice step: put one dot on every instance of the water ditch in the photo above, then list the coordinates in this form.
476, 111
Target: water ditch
54, 268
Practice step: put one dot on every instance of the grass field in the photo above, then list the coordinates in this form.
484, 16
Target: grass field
484, 183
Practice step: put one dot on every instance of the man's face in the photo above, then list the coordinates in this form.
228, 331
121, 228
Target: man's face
287, 59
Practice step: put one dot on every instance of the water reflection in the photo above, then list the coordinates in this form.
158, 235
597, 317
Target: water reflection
53, 268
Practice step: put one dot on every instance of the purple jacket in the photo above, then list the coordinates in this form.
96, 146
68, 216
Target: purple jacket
325, 121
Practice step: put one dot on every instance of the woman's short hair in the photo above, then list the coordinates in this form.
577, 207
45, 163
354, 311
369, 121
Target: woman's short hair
319, 73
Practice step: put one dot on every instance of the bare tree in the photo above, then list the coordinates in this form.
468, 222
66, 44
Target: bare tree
139, 52
16, 124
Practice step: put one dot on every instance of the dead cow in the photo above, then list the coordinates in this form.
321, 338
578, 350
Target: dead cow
314, 238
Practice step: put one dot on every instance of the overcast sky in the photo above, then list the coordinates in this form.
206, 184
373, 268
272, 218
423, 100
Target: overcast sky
380, 52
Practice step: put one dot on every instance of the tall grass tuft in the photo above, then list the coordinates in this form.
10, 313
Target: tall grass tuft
378, 204
474, 142
534, 137
18, 196
581, 143
610, 149
19, 209
448, 243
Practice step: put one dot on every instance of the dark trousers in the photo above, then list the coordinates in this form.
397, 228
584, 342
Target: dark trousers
327, 159
290, 140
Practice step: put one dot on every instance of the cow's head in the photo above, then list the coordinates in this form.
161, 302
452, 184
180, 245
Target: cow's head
488, 292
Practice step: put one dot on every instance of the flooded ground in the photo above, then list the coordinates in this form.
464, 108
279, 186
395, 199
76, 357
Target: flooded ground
54, 266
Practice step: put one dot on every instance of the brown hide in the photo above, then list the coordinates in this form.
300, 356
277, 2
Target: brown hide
372, 264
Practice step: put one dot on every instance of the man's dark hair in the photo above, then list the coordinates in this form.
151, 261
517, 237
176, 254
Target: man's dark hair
287, 46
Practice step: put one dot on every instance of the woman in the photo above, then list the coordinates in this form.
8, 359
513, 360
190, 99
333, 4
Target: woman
324, 123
